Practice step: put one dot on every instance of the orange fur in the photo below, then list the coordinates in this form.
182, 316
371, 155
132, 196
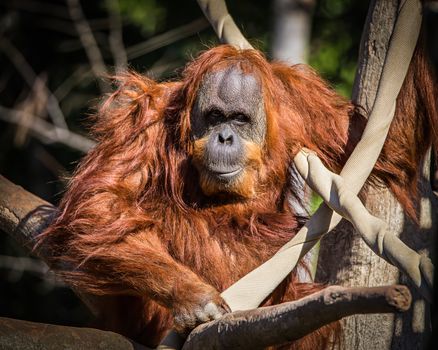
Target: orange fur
135, 225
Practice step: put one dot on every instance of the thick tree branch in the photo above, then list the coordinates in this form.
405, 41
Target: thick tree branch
22, 214
292, 30
345, 258
15, 334
266, 326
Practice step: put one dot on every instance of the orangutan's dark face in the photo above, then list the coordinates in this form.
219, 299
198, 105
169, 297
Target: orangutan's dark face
228, 125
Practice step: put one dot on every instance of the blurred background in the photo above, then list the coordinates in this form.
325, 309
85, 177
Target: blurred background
53, 57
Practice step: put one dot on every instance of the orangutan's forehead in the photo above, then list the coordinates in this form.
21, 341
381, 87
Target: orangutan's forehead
231, 89
234, 84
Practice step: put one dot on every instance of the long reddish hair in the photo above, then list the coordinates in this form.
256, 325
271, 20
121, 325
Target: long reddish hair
139, 178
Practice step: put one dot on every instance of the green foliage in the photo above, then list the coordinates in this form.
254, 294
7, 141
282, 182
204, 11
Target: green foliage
335, 41
327, 58
148, 15
315, 202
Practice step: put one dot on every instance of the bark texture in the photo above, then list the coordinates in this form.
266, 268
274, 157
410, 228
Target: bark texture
273, 325
22, 214
373, 48
15, 335
345, 259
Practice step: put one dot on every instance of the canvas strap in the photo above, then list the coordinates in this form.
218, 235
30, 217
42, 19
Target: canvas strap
223, 24
250, 291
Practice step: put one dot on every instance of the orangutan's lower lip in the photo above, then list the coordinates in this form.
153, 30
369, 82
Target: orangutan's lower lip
227, 174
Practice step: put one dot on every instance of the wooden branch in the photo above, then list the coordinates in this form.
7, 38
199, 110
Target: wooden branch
81, 73
266, 326
292, 30
15, 334
22, 214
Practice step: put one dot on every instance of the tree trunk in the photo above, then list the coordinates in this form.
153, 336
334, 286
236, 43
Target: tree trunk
292, 29
344, 257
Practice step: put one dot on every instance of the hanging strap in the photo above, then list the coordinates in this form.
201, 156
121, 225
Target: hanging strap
223, 24
252, 289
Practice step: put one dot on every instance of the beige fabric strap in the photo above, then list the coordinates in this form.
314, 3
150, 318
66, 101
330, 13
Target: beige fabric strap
335, 192
217, 14
252, 289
